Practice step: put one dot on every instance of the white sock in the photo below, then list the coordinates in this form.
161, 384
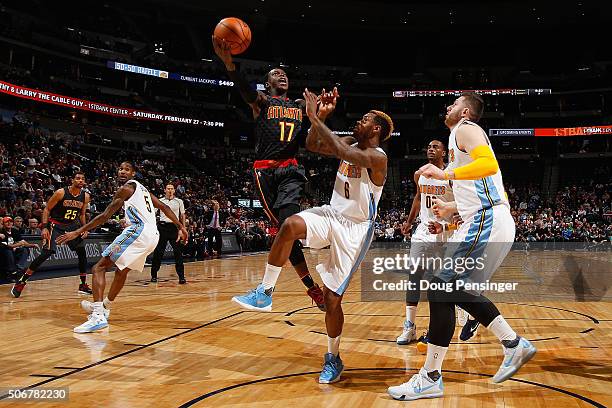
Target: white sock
435, 357
502, 329
271, 276
98, 307
333, 345
107, 303
411, 313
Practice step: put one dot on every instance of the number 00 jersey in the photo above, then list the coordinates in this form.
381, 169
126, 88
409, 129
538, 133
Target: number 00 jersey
429, 190
68, 209
139, 207
277, 128
355, 197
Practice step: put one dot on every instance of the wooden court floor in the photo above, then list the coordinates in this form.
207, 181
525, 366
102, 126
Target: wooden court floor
179, 346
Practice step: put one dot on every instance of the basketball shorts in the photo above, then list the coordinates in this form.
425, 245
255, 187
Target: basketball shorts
131, 248
348, 243
278, 187
486, 237
55, 230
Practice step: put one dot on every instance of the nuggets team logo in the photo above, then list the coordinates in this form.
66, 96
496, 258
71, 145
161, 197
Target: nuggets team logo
115, 250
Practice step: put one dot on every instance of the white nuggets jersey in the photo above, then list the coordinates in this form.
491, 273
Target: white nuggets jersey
139, 207
473, 195
431, 189
355, 197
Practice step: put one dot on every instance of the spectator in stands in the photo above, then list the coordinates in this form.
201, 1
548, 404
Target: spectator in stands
13, 250
216, 220
19, 225
33, 228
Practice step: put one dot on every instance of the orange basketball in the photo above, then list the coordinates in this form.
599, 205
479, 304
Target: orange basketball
236, 34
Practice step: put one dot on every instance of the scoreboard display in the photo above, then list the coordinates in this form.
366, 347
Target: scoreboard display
459, 92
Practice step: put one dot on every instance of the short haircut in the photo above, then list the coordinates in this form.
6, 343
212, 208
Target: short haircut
132, 165
386, 124
476, 105
441, 142
76, 173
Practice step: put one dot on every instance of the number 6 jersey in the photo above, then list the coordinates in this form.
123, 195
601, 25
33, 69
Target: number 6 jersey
355, 197
139, 207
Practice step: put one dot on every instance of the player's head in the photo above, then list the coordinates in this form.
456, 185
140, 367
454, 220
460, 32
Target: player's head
78, 179
468, 105
127, 171
373, 125
276, 81
436, 151
169, 191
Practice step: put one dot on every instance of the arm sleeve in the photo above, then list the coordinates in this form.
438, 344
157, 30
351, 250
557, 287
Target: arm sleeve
248, 93
484, 165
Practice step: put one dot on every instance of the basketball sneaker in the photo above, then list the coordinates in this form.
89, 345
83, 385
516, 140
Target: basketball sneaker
95, 321
17, 289
514, 358
332, 368
408, 334
469, 330
422, 343
87, 306
256, 299
316, 294
84, 289
419, 386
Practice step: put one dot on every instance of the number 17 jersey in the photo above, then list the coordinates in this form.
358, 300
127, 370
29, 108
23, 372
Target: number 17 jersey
139, 207
277, 128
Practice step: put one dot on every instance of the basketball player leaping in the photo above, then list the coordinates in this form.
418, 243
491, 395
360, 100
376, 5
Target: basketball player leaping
487, 233
346, 225
277, 176
65, 211
130, 249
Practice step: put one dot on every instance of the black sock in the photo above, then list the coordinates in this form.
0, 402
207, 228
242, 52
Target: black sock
307, 281
434, 375
24, 278
83, 277
511, 343
269, 291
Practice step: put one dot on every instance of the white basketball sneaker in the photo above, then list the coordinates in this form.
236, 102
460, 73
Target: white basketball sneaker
95, 321
419, 386
514, 358
408, 334
87, 306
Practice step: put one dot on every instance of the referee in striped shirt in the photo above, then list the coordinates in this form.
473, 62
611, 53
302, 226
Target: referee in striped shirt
169, 233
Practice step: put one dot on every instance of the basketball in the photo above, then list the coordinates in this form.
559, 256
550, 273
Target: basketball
235, 32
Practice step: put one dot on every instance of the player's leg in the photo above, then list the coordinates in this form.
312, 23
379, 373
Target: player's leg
334, 322
158, 254
297, 259
261, 298
82, 257
97, 320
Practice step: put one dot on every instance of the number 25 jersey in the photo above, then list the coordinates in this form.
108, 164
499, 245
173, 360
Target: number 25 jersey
277, 128
139, 207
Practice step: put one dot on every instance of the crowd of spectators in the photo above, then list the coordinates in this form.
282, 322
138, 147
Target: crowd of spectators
35, 161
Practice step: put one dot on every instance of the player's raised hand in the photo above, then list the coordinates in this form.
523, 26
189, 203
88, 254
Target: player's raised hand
222, 49
327, 103
45, 235
69, 236
431, 171
311, 104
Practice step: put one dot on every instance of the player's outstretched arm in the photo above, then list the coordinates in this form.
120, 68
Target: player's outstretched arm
182, 236
250, 96
368, 158
123, 194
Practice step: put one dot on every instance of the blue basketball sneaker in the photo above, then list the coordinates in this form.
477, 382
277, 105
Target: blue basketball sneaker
419, 386
514, 358
332, 368
256, 299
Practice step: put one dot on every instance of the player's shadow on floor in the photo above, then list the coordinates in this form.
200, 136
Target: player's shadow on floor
580, 367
